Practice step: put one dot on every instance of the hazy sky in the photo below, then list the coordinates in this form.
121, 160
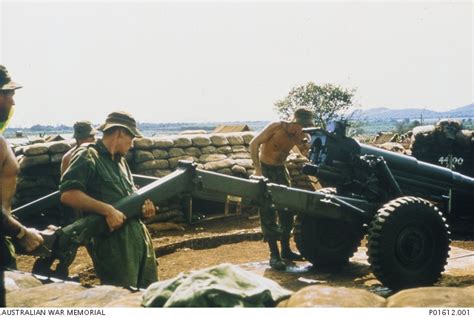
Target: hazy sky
209, 61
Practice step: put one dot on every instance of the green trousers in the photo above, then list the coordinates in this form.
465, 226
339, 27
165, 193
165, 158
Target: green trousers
125, 257
271, 229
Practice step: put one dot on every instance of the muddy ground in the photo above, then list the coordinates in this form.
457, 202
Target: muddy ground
238, 240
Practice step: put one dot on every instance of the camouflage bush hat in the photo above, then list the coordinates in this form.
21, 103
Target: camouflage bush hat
6, 83
121, 119
83, 130
304, 117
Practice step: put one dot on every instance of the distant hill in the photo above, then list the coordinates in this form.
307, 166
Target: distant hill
383, 113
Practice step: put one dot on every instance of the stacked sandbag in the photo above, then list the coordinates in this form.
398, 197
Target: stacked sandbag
226, 153
422, 140
170, 213
404, 139
223, 153
383, 137
30, 188
294, 164
40, 169
394, 147
434, 143
39, 176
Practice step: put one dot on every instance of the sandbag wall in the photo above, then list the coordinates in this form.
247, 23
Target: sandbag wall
223, 153
295, 163
431, 144
436, 144
39, 175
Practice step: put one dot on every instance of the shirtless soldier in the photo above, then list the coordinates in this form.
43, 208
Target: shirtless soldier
269, 150
28, 238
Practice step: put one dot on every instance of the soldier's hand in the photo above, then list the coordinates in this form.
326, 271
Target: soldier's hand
148, 209
31, 240
115, 219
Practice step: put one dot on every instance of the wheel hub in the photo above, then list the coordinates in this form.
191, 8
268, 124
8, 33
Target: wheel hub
411, 246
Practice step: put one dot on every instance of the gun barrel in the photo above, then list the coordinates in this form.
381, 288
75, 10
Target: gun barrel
436, 175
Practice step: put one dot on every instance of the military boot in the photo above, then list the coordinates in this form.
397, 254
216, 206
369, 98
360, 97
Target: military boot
275, 260
287, 253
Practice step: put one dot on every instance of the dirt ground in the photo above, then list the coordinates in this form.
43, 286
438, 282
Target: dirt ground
250, 252
183, 259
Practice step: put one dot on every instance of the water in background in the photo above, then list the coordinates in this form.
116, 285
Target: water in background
148, 130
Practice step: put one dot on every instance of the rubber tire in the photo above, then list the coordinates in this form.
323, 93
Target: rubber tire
327, 243
408, 243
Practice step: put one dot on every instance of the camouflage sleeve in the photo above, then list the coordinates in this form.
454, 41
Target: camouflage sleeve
81, 169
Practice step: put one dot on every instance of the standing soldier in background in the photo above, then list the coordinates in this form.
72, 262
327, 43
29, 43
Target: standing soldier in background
83, 133
269, 150
28, 238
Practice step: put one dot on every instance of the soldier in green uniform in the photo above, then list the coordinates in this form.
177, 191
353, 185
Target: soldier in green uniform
97, 177
269, 150
83, 133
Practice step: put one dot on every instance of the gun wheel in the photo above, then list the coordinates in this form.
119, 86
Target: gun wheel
408, 243
327, 242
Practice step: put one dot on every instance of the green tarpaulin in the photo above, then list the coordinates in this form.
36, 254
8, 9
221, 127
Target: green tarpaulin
224, 285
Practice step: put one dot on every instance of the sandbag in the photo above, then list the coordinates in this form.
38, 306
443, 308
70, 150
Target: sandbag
433, 297
328, 296
219, 140
40, 295
201, 141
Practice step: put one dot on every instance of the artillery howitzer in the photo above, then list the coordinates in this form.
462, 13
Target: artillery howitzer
408, 237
